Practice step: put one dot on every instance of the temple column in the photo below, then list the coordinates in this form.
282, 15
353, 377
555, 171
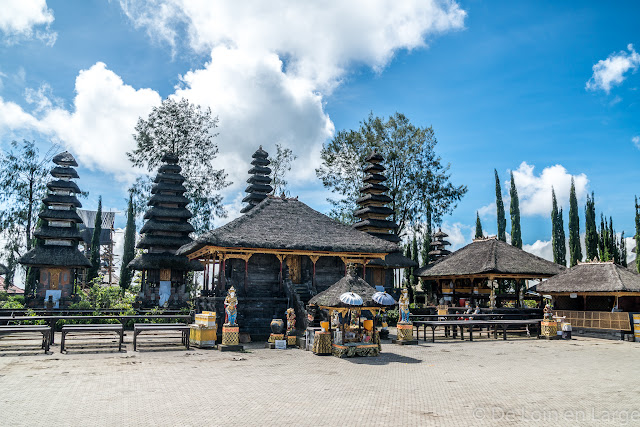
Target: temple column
314, 259
280, 276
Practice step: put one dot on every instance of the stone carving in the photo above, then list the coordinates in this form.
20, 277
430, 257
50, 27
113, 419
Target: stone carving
230, 307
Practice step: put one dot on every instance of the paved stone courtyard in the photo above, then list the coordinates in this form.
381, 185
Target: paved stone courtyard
449, 383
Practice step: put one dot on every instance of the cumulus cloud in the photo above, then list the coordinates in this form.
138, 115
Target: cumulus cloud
459, 234
534, 191
636, 141
21, 19
99, 127
611, 71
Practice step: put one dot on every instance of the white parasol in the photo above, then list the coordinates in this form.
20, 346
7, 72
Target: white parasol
350, 298
383, 298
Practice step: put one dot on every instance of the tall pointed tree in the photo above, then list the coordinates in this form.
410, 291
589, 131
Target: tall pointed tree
502, 222
591, 232
575, 251
554, 226
637, 236
479, 233
514, 210
562, 241
603, 240
129, 247
416, 258
613, 243
95, 244
623, 251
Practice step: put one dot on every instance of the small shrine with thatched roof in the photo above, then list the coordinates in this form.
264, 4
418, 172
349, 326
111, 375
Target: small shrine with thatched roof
56, 255
164, 273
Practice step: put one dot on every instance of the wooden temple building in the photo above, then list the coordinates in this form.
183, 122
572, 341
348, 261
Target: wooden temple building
595, 295
165, 274
279, 254
56, 255
483, 267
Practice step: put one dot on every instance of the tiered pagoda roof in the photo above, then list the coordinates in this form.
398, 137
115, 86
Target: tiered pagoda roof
58, 236
259, 182
439, 245
167, 227
373, 211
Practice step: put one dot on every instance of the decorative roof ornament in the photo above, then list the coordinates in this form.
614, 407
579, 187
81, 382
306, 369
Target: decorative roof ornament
259, 183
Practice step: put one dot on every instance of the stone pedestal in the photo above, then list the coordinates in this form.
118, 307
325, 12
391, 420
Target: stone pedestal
230, 338
405, 334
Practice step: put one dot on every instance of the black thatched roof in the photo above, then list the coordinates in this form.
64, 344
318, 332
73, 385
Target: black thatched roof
377, 210
394, 260
64, 172
259, 179
153, 261
156, 225
374, 188
149, 240
377, 223
62, 200
65, 159
63, 233
278, 223
593, 277
490, 256
260, 170
374, 157
56, 256
168, 186
389, 237
349, 283
380, 198
59, 215
60, 184
374, 168
260, 154
169, 168
168, 199
169, 176
162, 212
439, 235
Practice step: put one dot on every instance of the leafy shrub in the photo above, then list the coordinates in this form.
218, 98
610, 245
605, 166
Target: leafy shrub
13, 302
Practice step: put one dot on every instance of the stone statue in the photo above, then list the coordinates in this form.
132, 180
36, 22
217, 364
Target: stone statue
335, 320
230, 303
291, 321
403, 304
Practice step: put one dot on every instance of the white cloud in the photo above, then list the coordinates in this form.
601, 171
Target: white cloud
541, 248
611, 71
99, 128
26, 19
636, 140
459, 234
534, 191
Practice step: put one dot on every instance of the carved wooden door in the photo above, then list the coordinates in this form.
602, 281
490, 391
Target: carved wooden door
295, 268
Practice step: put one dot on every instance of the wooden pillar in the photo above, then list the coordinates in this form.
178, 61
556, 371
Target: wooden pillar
219, 288
222, 271
246, 275
280, 275
314, 259
205, 278
584, 299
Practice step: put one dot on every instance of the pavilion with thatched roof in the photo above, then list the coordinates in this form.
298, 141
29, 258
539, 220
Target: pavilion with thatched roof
472, 271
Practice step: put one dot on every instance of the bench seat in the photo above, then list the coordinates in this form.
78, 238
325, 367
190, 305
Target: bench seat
183, 328
46, 332
98, 328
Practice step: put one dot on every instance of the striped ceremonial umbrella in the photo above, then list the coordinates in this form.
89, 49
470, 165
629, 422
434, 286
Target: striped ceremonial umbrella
383, 298
350, 298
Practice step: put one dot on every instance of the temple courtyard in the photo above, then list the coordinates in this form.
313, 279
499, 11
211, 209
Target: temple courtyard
486, 382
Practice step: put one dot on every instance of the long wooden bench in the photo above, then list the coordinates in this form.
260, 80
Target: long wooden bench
139, 328
92, 329
470, 324
21, 329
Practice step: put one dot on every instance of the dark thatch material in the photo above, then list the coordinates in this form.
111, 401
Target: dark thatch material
394, 260
374, 178
440, 235
56, 215
349, 283
168, 186
163, 212
260, 170
278, 223
64, 172
380, 198
374, 188
374, 157
55, 256
377, 223
65, 159
592, 277
63, 233
153, 261
374, 168
149, 241
389, 237
440, 243
260, 154
169, 177
263, 188
254, 197
155, 225
56, 199
167, 168
181, 201
489, 256
439, 252
60, 184
259, 179
377, 210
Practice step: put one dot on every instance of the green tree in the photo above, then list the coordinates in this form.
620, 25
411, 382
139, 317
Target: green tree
129, 246
603, 240
637, 236
23, 179
623, 251
613, 243
415, 258
575, 251
502, 222
95, 245
186, 130
415, 174
514, 210
562, 241
591, 232
554, 226
280, 165
479, 233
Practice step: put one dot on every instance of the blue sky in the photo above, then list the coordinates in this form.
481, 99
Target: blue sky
506, 85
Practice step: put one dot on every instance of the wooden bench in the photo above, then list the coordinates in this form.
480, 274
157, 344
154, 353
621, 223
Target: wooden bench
92, 329
183, 328
20, 329
470, 324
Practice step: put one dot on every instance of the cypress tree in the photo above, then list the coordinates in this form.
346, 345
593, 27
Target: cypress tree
554, 226
562, 245
637, 236
516, 232
575, 251
95, 244
129, 247
603, 246
502, 222
591, 232
479, 233
613, 244
414, 257
623, 251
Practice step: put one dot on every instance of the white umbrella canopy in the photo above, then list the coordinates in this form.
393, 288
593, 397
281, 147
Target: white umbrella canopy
383, 298
350, 298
